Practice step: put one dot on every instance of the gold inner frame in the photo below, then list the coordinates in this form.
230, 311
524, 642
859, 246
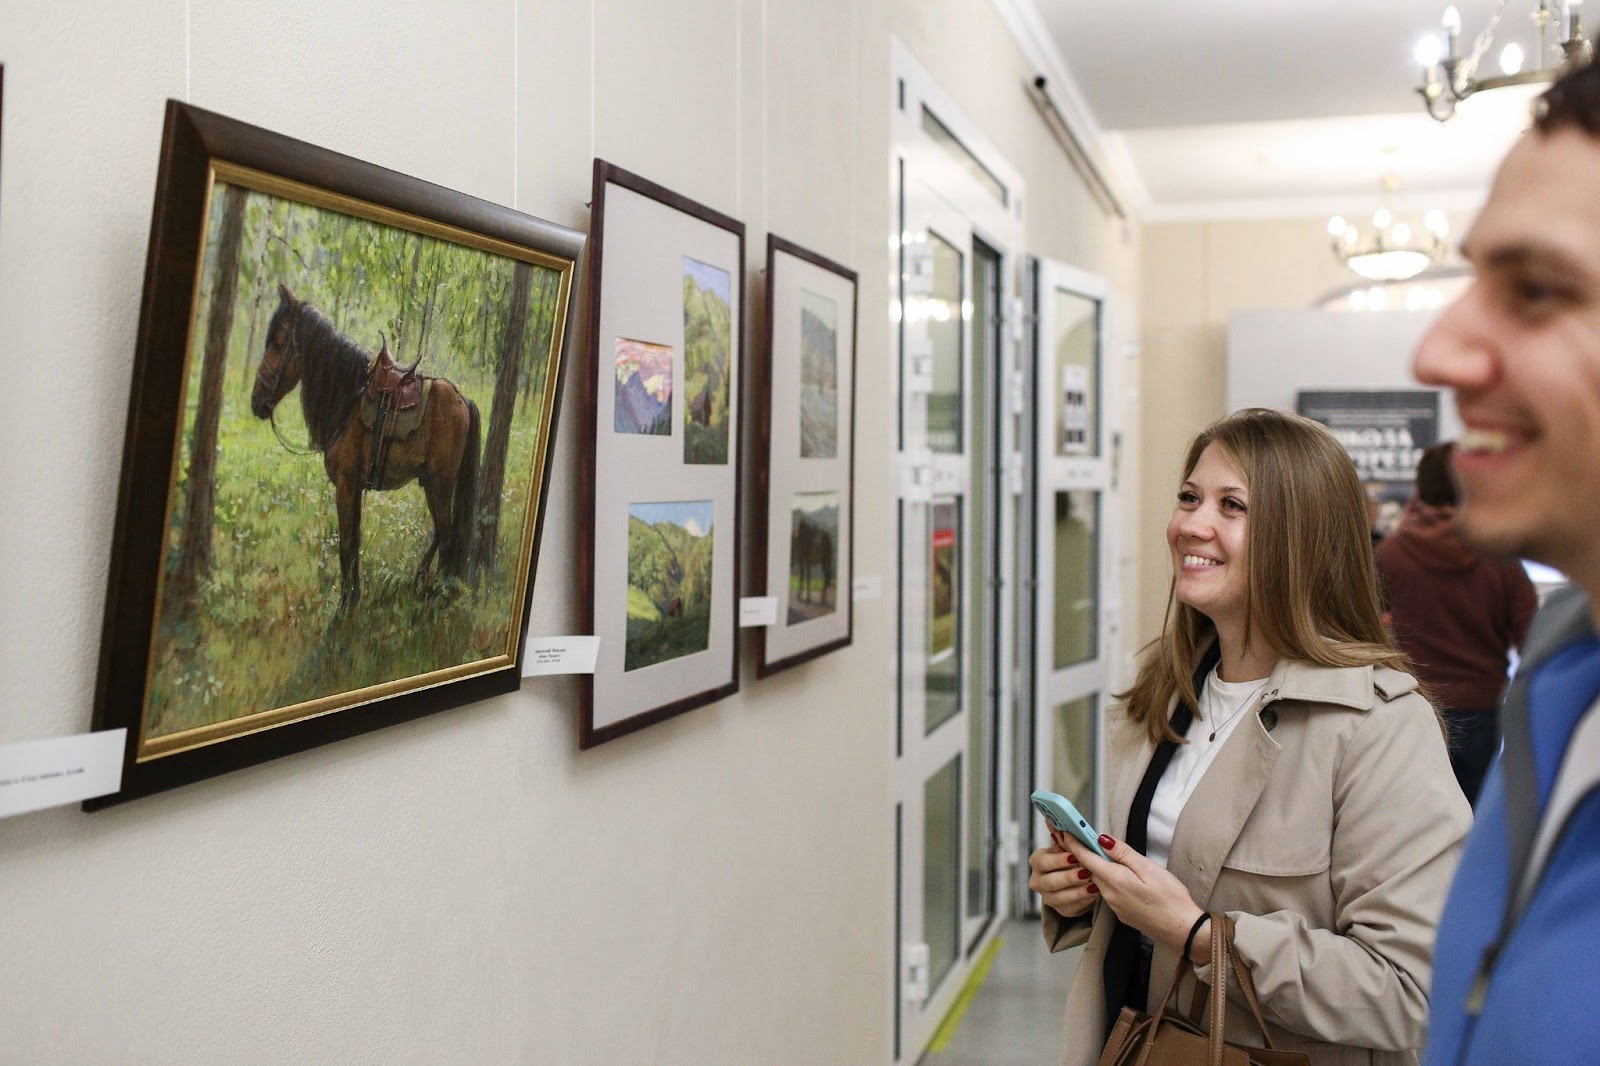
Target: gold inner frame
288, 189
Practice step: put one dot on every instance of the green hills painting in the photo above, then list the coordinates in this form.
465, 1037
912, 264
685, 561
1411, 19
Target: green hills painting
669, 581
707, 349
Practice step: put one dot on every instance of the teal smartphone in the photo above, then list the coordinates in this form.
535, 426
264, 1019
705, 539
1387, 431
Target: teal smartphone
1063, 817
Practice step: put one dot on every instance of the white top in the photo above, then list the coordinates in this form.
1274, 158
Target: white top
1222, 707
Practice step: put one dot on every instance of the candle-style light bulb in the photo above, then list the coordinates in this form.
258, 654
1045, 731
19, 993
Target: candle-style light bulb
1336, 226
1511, 59
1380, 218
1428, 52
1451, 22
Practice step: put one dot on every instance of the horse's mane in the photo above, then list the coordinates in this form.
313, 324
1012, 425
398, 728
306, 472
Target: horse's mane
332, 370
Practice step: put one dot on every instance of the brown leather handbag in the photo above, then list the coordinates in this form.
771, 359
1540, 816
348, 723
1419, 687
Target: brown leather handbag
1171, 1039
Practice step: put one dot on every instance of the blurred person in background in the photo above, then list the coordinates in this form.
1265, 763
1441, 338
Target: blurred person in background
1456, 614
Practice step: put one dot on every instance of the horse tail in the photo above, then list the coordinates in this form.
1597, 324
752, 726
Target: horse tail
464, 509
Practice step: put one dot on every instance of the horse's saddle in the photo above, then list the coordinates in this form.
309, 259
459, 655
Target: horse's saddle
395, 387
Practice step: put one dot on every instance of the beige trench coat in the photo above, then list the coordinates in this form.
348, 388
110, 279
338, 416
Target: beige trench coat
1328, 827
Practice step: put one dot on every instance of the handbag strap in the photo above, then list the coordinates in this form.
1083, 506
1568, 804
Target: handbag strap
1223, 956
1221, 951
1223, 930
1247, 985
1214, 1044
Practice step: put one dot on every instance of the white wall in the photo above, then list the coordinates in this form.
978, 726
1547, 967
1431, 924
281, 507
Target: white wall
1196, 277
467, 888
1273, 355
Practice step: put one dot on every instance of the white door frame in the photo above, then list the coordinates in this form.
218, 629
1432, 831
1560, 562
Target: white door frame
944, 194
1058, 473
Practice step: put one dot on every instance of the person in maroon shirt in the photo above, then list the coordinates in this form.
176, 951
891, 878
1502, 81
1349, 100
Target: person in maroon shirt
1456, 614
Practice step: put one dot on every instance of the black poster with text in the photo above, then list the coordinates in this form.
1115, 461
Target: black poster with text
1384, 432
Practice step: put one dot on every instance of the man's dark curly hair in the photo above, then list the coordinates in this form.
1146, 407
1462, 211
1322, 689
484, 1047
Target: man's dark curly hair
1574, 100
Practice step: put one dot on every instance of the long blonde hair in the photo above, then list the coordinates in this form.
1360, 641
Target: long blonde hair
1312, 592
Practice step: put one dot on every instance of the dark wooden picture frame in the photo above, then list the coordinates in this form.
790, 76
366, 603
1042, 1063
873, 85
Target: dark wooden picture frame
795, 337
661, 465
419, 642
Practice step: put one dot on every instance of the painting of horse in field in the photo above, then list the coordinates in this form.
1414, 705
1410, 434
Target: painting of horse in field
669, 581
362, 440
813, 556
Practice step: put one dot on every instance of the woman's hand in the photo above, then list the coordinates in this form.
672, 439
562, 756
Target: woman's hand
1140, 892
1062, 883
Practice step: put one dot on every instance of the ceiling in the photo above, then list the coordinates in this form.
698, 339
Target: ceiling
1277, 107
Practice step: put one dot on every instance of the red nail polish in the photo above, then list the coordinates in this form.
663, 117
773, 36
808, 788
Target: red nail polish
1084, 875
1093, 890
1072, 860
1107, 842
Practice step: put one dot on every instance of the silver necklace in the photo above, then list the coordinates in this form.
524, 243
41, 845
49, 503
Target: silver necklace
1248, 700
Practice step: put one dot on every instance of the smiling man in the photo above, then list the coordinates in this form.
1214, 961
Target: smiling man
1517, 959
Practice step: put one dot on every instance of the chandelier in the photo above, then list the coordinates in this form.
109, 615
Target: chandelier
1449, 78
1390, 249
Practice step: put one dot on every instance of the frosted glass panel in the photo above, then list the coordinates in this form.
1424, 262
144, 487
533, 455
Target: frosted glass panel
1076, 388
941, 870
945, 651
1076, 591
944, 331
1072, 760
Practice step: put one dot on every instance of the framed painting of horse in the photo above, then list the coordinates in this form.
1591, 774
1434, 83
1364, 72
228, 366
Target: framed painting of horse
662, 462
805, 473
338, 444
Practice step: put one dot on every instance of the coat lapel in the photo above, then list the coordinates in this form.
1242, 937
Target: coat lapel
1221, 804
1130, 771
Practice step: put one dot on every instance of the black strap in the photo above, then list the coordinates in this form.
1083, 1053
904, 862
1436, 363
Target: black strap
1121, 971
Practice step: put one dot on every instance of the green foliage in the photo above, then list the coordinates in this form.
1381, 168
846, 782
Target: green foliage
640, 605
707, 346
666, 563
262, 632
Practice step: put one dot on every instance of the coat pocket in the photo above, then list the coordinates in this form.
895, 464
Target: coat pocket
1285, 858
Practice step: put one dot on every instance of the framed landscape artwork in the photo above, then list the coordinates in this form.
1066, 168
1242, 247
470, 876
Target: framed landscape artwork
344, 392
661, 472
806, 475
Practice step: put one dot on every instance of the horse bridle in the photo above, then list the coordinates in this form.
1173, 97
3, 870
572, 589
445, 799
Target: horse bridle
271, 382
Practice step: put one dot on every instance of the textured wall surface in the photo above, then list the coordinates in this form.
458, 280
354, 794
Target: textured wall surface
467, 888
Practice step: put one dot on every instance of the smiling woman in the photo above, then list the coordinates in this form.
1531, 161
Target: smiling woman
1325, 825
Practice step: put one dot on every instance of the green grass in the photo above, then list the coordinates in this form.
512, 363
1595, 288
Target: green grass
263, 632
650, 642
640, 607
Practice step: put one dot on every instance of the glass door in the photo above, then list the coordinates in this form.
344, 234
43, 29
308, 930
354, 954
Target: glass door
1074, 616
937, 540
957, 228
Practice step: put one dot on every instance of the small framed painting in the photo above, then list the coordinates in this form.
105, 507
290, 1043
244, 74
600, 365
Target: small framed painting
344, 390
661, 472
806, 472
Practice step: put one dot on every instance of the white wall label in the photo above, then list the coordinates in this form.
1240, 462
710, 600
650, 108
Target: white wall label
35, 774
758, 611
560, 655
867, 587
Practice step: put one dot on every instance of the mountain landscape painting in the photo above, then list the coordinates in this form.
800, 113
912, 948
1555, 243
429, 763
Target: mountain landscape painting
644, 388
819, 376
669, 581
707, 348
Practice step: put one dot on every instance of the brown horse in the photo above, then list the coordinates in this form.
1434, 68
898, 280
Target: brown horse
811, 562
303, 348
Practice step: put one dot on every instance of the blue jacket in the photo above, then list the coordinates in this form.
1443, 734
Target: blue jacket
1516, 966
